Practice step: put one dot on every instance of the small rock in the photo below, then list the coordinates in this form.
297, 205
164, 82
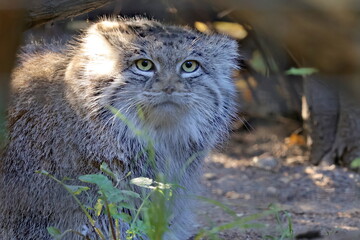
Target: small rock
268, 163
285, 180
239, 214
218, 191
271, 190
232, 195
210, 176
235, 195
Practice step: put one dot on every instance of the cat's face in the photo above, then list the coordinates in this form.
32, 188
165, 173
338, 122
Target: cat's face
169, 73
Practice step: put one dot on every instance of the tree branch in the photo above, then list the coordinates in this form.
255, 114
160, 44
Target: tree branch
43, 11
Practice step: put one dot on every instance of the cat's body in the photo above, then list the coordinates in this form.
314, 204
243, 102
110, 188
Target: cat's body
60, 120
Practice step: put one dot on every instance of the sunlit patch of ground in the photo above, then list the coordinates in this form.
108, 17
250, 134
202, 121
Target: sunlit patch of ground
259, 168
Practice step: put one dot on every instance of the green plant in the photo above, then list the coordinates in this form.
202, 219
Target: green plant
146, 213
285, 230
355, 163
141, 133
246, 222
150, 218
301, 71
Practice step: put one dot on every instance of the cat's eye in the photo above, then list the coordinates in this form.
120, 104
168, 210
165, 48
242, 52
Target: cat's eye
144, 65
190, 66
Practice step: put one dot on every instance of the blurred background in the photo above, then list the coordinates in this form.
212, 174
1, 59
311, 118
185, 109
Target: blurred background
296, 141
299, 60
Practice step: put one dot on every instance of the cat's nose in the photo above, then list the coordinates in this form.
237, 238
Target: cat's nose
169, 89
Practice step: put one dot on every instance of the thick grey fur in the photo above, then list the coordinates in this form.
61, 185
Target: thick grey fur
59, 118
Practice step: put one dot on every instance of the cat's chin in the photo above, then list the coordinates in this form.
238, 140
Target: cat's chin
167, 107
166, 114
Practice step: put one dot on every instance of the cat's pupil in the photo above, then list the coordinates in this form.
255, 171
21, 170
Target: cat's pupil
145, 63
188, 64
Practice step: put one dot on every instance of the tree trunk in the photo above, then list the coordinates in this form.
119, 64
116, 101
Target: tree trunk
332, 121
320, 114
347, 143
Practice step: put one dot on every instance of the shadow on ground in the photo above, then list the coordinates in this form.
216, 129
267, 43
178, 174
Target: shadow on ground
261, 167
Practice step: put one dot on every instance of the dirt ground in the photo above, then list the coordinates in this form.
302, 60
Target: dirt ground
259, 167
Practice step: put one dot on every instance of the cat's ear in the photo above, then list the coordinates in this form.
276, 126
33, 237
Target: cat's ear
95, 43
108, 27
221, 50
227, 50
95, 55
224, 53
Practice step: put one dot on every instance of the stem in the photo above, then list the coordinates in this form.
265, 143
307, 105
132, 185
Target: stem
91, 220
73, 231
117, 228
110, 218
138, 211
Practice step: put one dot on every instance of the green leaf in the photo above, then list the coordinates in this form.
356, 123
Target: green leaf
126, 205
76, 189
123, 216
113, 209
111, 193
219, 204
355, 163
142, 182
140, 227
105, 168
114, 213
53, 231
98, 207
130, 193
114, 195
102, 181
43, 172
301, 71
258, 63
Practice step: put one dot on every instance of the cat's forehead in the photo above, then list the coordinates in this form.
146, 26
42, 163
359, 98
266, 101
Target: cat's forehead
148, 28
151, 34
147, 32
160, 40
167, 41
